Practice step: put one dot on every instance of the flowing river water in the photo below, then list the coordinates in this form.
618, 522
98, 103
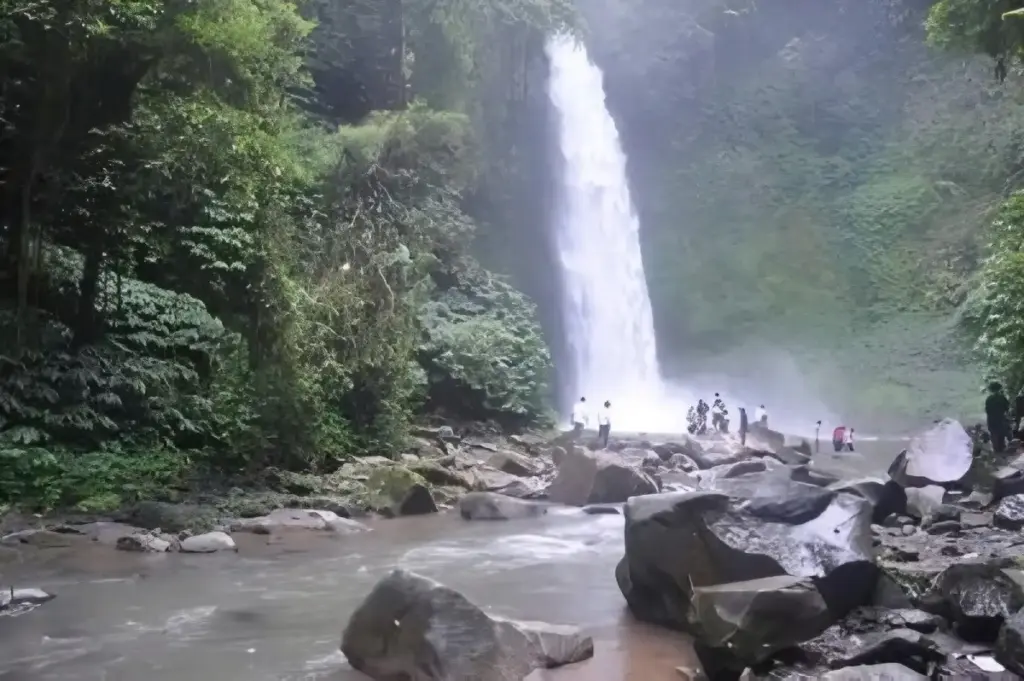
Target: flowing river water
275, 610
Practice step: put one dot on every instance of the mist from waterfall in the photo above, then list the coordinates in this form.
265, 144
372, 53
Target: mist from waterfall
606, 306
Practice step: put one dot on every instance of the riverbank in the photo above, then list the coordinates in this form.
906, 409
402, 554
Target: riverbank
274, 599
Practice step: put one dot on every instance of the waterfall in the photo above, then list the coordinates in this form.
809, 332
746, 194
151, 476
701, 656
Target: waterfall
607, 310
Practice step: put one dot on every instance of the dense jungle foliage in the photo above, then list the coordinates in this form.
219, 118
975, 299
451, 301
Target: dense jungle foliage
236, 235
821, 177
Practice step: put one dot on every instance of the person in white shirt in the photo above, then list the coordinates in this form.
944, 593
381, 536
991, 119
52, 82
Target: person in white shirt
604, 424
848, 440
579, 416
761, 416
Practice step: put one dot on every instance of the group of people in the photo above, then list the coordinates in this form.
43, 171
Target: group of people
697, 418
581, 417
842, 438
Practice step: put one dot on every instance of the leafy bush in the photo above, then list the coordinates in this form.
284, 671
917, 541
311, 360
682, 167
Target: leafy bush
484, 353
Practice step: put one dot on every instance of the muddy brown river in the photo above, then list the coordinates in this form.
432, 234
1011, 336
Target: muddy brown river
275, 610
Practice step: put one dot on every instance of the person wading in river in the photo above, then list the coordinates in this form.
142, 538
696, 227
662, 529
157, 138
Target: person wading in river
579, 417
848, 440
996, 408
604, 424
743, 426
817, 433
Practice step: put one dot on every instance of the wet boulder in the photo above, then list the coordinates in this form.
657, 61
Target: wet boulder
688, 446
1010, 644
297, 519
513, 463
756, 618
597, 478
890, 671
924, 501
493, 506
941, 455
411, 627
762, 437
19, 601
681, 462
978, 597
885, 496
1009, 513
680, 541
418, 500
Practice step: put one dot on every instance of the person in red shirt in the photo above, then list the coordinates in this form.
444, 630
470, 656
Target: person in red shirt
838, 438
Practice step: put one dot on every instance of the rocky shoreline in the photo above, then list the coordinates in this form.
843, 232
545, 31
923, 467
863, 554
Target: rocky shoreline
774, 568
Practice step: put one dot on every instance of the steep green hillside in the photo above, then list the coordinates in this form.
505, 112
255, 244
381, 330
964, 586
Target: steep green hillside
815, 177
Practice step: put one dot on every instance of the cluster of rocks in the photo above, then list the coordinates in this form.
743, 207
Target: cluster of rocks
778, 571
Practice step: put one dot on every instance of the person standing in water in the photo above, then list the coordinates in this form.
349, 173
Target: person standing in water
761, 416
817, 434
996, 408
604, 424
579, 417
848, 440
743, 426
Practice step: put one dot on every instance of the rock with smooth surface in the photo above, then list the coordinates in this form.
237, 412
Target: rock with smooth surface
209, 542
597, 478
411, 627
756, 618
941, 455
890, 671
493, 506
679, 541
923, 501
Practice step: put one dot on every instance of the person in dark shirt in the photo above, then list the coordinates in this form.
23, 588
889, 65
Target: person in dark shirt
996, 409
1018, 413
744, 425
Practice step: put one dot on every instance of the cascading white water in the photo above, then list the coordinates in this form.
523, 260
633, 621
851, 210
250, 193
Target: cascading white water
608, 320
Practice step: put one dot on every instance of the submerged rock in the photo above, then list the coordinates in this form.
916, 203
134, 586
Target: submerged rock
493, 506
941, 455
291, 519
597, 478
411, 627
889, 671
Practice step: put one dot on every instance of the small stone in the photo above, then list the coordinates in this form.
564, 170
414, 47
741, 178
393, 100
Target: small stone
908, 530
971, 521
945, 527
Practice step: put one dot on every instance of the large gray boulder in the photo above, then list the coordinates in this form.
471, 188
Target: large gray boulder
759, 617
597, 478
494, 506
413, 628
941, 455
771, 527
977, 596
